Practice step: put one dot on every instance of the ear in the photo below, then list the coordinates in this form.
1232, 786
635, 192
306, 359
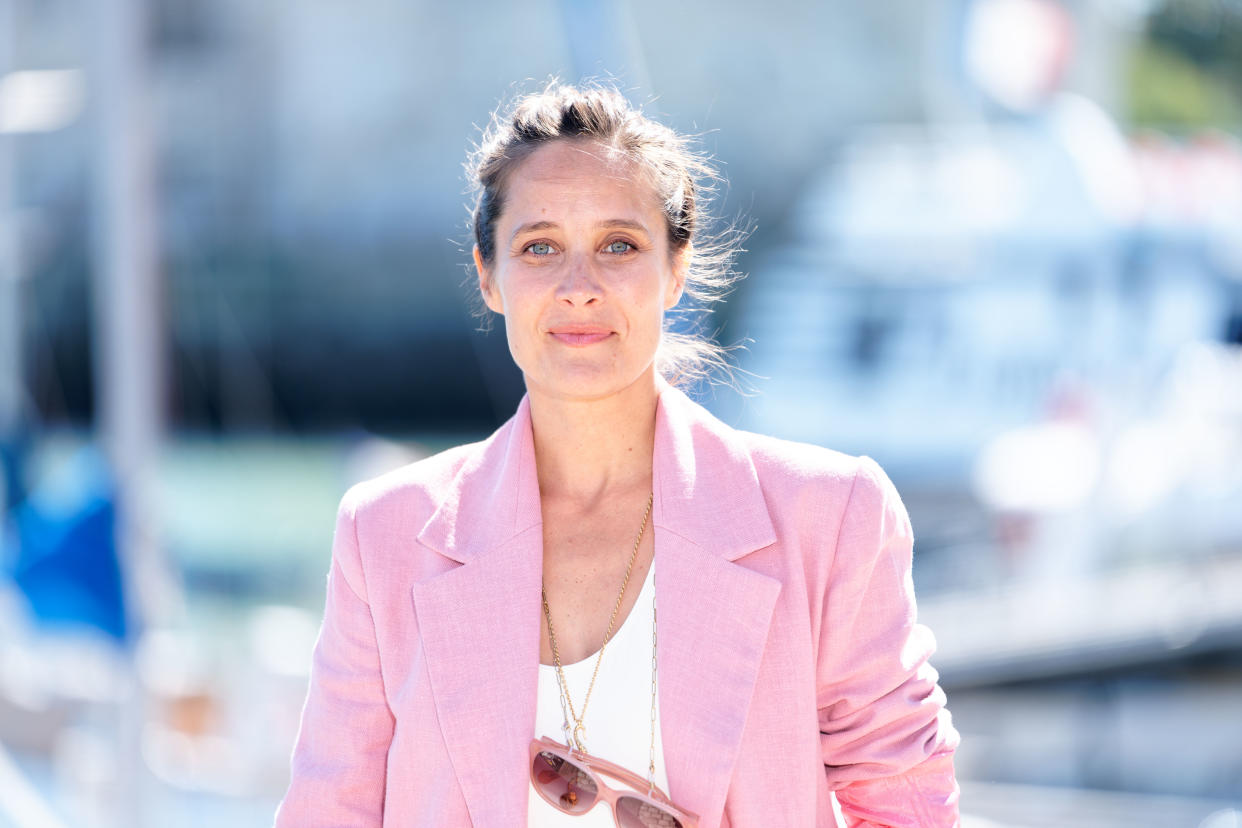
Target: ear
677, 285
487, 287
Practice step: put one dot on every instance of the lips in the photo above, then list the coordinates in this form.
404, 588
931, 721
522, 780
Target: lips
578, 336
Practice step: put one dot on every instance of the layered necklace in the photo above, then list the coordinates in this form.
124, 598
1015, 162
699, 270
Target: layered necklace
575, 736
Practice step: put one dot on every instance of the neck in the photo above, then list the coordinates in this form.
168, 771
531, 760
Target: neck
588, 449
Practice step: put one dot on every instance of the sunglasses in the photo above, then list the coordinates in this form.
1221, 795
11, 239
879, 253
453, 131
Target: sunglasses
569, 780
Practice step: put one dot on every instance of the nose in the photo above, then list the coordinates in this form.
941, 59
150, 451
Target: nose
579, 286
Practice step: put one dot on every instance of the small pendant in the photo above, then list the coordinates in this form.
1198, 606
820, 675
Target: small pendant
579, 733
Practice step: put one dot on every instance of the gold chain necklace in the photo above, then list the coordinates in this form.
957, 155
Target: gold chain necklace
579, 729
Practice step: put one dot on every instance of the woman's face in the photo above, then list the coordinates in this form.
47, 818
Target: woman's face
582, 271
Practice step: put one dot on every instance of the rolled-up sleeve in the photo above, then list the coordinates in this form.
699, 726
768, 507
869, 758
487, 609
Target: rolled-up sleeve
886, 737
340, 758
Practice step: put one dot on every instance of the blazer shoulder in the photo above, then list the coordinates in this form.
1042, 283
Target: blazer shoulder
796, 463
420, 484
804, 470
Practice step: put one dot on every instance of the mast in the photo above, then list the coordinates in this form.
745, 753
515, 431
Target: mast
129, 347
128, 330
10, 322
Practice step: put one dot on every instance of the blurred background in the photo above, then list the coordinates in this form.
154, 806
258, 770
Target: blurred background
998, 247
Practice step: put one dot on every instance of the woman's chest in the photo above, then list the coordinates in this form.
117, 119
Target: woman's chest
592, 575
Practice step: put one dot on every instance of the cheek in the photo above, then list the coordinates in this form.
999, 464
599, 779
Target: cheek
521, 302
651, 318
523, 313
507, 295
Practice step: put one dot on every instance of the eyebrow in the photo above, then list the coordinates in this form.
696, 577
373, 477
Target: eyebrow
610, 224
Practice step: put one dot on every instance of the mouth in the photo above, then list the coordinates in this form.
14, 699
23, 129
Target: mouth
578, 336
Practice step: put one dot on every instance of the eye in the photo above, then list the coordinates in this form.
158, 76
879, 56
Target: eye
539, 248
619, 247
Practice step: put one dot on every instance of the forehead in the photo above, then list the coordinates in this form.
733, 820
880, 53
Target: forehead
579, 177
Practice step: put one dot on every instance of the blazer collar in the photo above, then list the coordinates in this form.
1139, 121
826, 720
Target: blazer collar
705, 486
493, 498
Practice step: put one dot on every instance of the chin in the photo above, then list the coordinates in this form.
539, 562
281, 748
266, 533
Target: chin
581, 383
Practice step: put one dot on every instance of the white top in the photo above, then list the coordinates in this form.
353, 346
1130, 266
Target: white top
618, 720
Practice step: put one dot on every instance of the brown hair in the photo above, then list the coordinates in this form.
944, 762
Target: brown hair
681, 176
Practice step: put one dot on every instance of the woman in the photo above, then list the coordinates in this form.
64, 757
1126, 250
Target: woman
615, 587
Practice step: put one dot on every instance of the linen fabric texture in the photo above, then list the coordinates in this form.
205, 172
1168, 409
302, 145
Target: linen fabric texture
792, 667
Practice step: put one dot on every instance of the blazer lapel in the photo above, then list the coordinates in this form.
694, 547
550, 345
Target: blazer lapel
713, 613
478, 622
482, 653
713, 619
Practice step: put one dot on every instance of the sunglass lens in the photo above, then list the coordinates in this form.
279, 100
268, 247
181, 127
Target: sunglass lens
562, 782
635, 813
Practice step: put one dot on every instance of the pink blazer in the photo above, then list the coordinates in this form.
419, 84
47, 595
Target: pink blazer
791, 665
